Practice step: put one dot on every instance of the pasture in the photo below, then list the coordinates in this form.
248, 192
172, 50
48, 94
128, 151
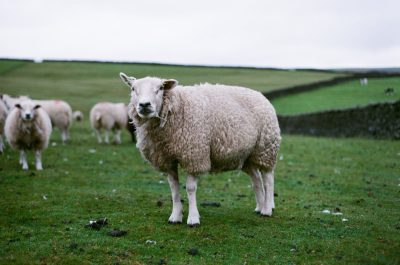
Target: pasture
345, 95
43, 213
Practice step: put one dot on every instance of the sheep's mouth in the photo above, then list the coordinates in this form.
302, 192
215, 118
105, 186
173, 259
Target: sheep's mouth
146, 113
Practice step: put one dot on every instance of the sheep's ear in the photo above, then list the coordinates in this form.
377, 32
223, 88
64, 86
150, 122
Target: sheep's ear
18, 106
36, 107
127, 79
169, 84
1, 96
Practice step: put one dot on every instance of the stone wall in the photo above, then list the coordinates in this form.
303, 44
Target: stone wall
381, 121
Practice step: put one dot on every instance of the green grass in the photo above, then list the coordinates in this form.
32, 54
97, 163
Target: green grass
360, 177
346, 95
84, 84
43, 213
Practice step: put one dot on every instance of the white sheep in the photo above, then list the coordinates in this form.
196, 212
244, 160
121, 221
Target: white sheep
3, 116
77, 115
28, 127
205, 128
109, 116
60, 113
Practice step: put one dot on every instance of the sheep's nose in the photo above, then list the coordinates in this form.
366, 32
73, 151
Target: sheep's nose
144, 105
28, 116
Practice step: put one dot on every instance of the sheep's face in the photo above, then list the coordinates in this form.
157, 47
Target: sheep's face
147, 94
28, 110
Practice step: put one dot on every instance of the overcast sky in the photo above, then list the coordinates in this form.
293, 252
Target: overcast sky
311, 33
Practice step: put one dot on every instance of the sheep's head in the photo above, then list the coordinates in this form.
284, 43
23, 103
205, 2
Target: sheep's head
28, 110
147, 94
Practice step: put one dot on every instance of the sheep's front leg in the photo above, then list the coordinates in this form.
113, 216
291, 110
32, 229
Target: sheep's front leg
176, 215
22, 160
191, 187
107, 136
38, 157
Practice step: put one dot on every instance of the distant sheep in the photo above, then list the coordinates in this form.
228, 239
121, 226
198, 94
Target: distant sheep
205, 128
60, 113
3, 116
364, 81
109, 116
77, 115
28, 127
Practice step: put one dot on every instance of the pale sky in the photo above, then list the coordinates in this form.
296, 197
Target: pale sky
310, 33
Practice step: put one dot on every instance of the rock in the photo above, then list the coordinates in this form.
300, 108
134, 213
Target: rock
117, 233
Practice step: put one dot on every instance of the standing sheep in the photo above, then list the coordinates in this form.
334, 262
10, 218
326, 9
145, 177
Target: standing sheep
109, 116
60, 114
28, 127
3, 116
205, 128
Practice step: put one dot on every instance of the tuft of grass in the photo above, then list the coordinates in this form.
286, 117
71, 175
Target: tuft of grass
346, 95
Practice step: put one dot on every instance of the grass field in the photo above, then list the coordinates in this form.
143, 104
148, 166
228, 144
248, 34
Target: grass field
43, 214
346, 95
84, 84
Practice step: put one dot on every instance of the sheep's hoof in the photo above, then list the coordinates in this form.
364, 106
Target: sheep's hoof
174, 222
257, 212
266, 214
193, 225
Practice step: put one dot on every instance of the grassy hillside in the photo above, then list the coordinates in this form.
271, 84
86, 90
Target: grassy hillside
43, 214
84, 84
346, 95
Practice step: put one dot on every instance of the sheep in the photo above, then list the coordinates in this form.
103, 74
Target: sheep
109, 116
132, 129
3, 116
27, 127
364, 81
60, 114
205, 129
77, 115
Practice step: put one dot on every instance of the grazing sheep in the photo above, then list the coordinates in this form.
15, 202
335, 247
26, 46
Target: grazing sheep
28, 127
109, 116
205, 128
60, 113
3, 116
78, 115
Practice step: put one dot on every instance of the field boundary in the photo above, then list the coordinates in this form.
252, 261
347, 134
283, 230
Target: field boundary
379, 121
326, 83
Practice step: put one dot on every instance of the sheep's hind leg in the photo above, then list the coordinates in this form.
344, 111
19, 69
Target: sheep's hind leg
191, 187
258, 188
22, 160
64, 136
1, 144
38, 157
269, 204
98, 134
176, 215
117, 136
